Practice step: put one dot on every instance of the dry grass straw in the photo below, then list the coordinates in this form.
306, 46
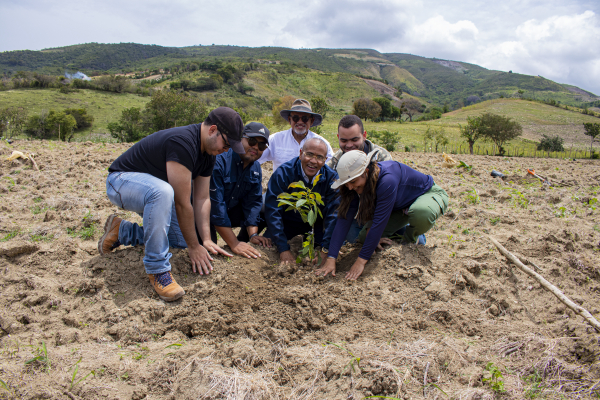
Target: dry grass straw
558, 379
282, 374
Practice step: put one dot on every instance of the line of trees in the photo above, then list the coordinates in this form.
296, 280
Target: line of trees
166, 109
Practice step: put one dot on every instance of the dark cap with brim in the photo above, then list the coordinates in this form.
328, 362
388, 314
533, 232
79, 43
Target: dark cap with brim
230, 124
256, 129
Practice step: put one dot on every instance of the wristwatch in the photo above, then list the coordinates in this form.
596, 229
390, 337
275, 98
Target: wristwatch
251, 236
324, 250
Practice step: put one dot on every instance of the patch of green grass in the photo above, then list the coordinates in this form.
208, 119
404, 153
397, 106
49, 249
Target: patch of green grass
473, 196
495, 220
42, 358
39, 209
10, 235
41, 237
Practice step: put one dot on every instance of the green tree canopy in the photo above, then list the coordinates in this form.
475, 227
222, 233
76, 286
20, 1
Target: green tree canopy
470, 131
592, 129
366, 109
499, 129
320, 106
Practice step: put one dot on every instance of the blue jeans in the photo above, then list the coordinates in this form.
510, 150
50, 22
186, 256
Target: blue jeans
153, 199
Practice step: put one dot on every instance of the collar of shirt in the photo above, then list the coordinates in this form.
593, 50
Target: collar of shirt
305, 176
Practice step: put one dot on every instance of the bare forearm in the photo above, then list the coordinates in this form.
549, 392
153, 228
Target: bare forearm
202, 217
227, 235
252, 230
185, 217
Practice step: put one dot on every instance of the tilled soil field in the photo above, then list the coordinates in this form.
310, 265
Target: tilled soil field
453, 319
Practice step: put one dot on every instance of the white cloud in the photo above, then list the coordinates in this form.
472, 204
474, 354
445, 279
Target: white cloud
562, 48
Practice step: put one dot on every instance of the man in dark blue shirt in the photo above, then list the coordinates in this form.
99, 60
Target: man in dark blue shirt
236, 194
282, 225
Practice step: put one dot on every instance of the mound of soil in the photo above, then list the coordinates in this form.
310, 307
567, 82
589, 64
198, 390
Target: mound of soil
452, 318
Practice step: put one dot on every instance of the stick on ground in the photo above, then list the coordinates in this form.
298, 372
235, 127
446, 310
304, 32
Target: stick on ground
547, 285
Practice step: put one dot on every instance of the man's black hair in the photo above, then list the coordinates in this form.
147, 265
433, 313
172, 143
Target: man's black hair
348, 121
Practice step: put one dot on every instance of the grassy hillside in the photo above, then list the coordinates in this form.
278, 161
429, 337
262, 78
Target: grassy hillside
436, 81
103, 106
536, 119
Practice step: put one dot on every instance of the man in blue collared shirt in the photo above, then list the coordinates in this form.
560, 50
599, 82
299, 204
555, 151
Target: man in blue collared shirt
236, 194
282, 225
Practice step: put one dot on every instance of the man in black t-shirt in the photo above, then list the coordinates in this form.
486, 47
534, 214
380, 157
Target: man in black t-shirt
156, 178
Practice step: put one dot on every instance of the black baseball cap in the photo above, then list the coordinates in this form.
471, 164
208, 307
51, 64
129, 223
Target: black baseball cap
230, 124
256, 129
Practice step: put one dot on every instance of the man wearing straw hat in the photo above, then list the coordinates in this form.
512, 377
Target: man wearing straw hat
286, 145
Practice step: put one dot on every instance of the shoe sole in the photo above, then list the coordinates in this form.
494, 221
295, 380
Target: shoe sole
107, 226
177, 297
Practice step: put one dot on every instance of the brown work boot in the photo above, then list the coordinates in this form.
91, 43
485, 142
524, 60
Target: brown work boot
110, 240
165, 286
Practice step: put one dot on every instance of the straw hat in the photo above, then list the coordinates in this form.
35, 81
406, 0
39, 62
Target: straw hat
352, 165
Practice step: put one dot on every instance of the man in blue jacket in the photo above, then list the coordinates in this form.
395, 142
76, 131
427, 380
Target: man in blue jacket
236, 194
282, 225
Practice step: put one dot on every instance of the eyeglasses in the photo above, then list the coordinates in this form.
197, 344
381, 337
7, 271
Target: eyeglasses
297, 118
262, 146
310, 156
226, 145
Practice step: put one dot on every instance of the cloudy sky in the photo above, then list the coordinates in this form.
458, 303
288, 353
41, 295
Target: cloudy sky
557, 39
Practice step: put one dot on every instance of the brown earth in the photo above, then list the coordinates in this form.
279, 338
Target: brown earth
253, 330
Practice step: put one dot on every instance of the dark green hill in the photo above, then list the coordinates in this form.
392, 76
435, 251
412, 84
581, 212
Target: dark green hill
85, 57
435, 81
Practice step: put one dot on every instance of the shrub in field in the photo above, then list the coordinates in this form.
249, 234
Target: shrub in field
435, 138
554, 143
385, 139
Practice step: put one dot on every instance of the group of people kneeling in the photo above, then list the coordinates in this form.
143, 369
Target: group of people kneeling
367, 197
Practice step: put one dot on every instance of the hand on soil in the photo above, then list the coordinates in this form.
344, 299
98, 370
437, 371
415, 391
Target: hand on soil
356, 270
383, 241
327, 268
213, 248
287, 257
323, 259
244, 249
200, 260
262, 241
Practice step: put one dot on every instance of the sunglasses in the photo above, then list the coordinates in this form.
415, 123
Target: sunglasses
262, 146
297, 118
225, 141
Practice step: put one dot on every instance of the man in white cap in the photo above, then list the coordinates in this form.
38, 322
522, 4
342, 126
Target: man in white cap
286, 145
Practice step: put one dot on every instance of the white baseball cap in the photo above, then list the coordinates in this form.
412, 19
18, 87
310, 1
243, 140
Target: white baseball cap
351, 165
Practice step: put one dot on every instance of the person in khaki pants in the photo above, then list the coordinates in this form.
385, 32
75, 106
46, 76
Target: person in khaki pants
385, 197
